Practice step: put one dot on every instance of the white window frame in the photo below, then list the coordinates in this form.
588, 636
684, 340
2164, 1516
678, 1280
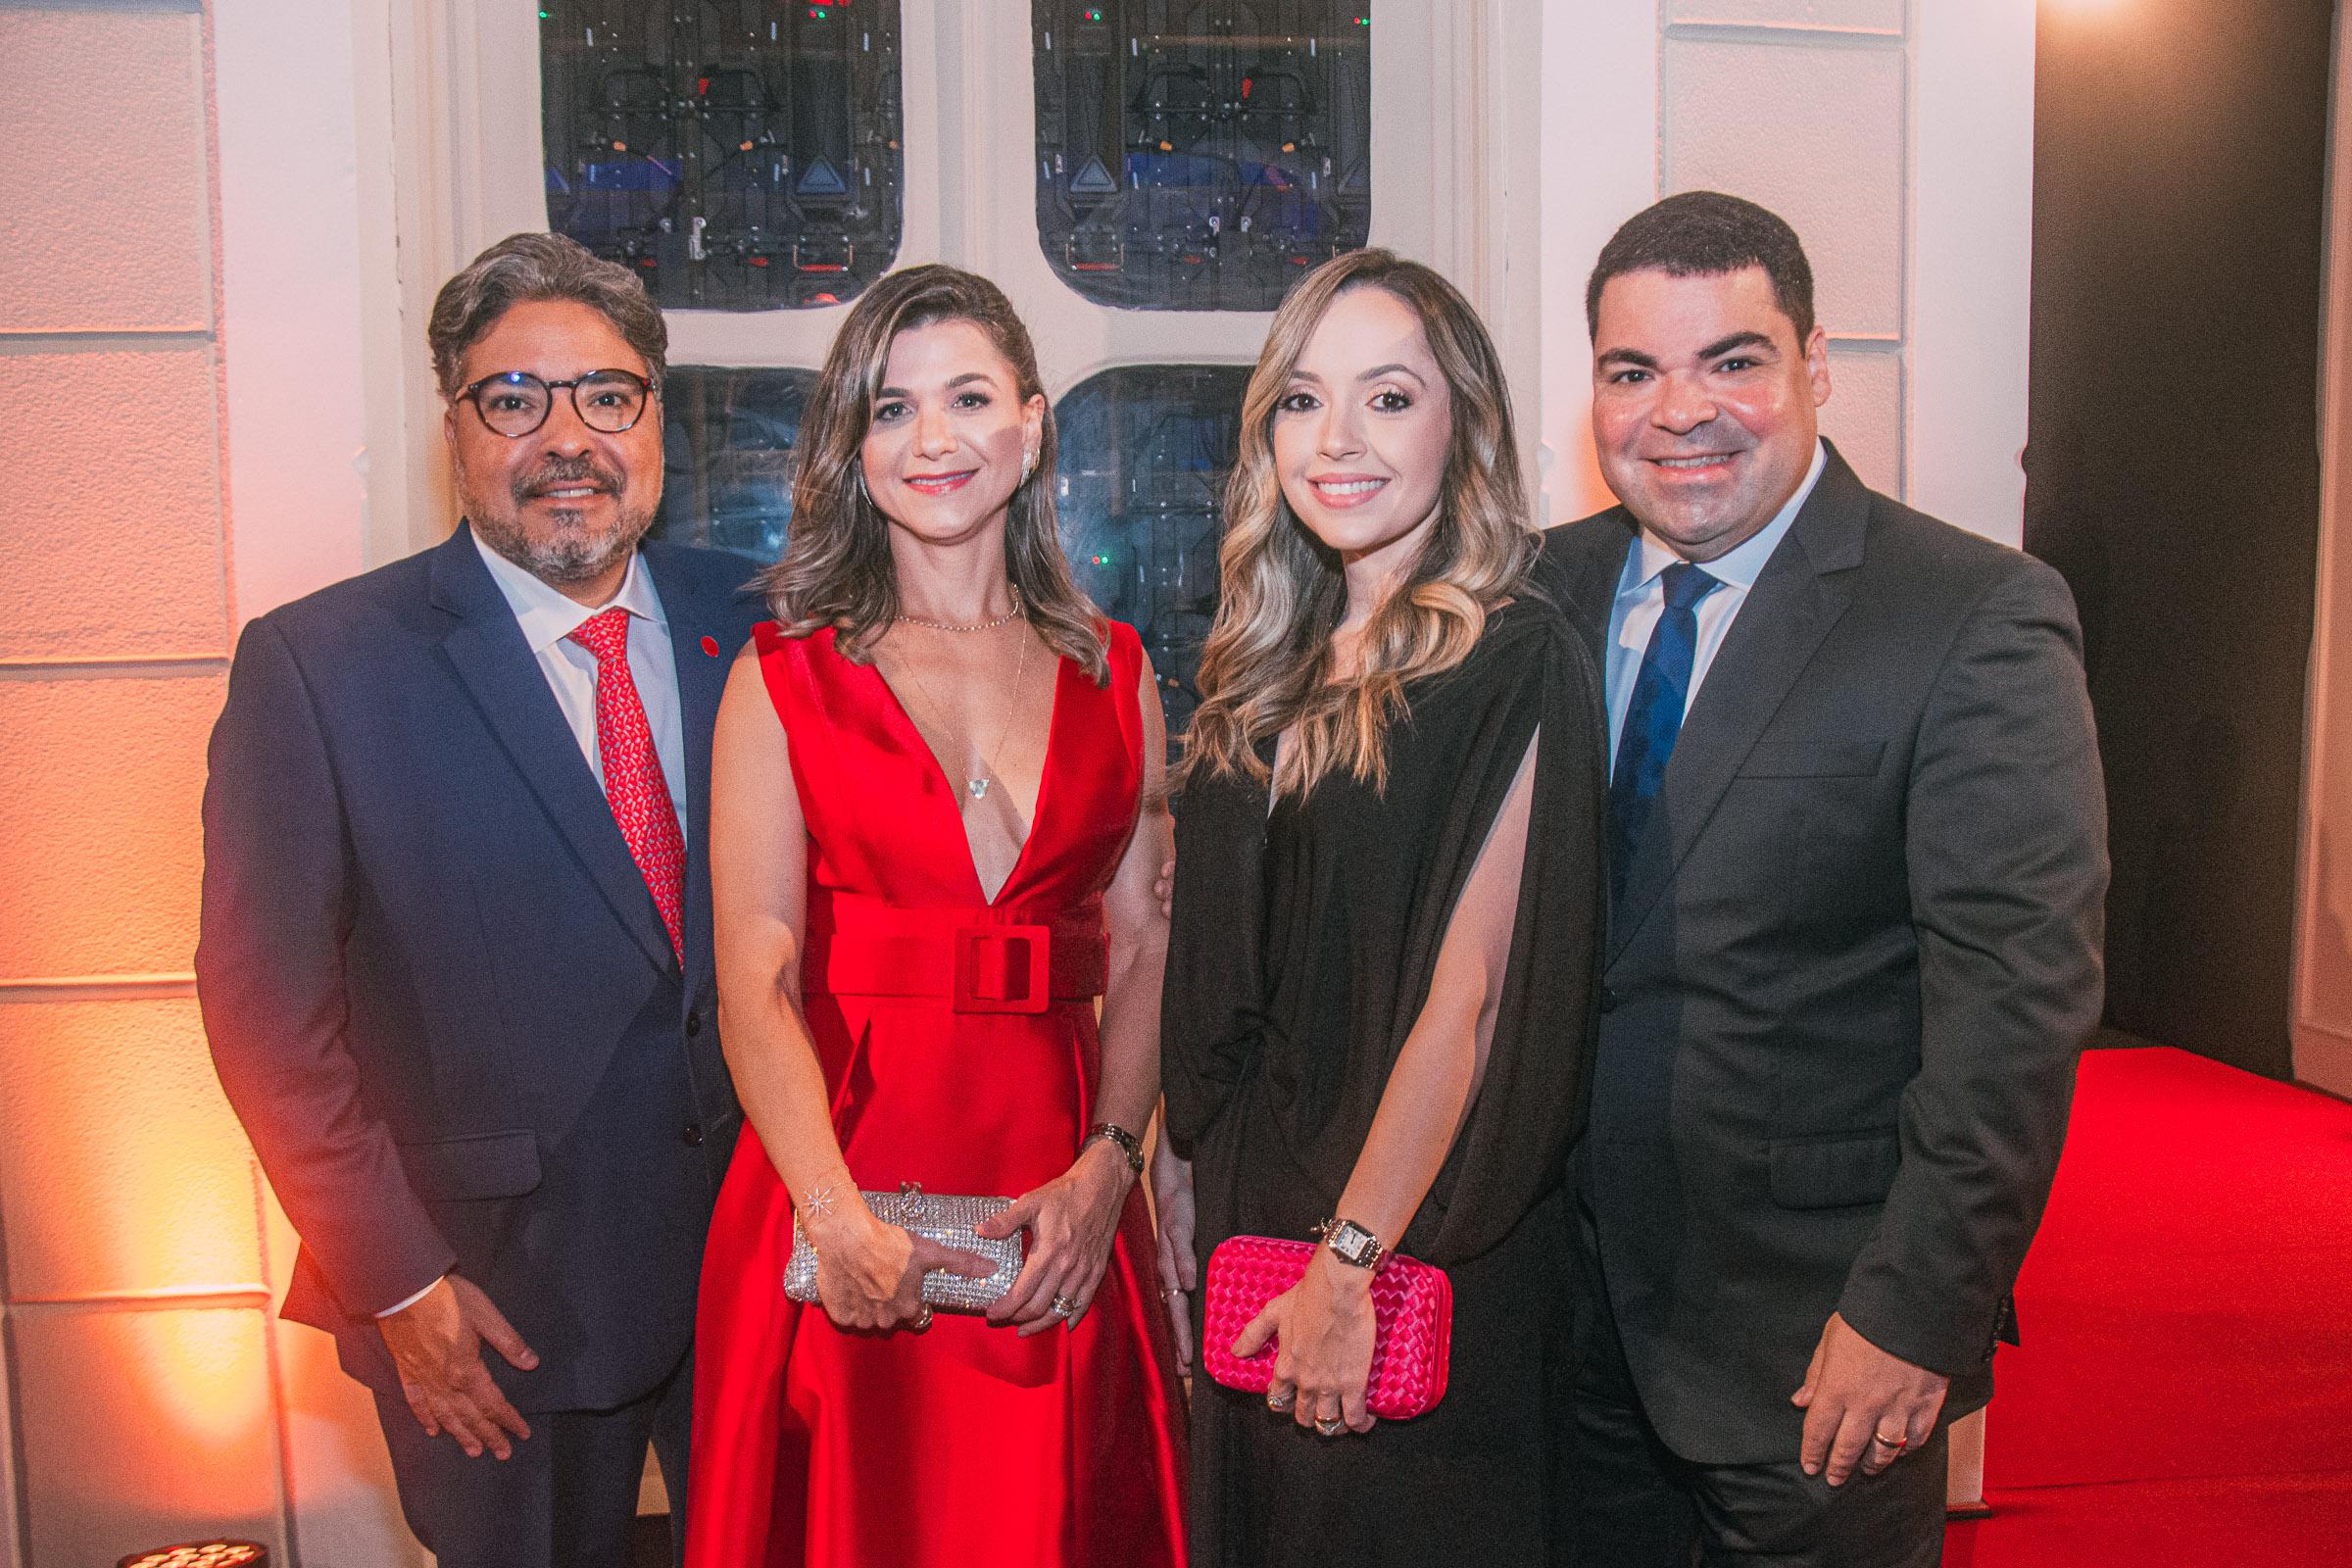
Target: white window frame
1455, 88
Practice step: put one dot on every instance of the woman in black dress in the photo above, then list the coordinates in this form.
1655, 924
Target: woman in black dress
1386, 901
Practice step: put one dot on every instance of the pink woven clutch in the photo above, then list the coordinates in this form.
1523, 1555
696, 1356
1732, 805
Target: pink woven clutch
1412, 1313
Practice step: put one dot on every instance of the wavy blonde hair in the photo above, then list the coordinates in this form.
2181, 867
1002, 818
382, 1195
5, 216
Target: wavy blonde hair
837, 569
1267, 666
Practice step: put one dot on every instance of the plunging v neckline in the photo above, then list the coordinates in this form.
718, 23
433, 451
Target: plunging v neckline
955, 795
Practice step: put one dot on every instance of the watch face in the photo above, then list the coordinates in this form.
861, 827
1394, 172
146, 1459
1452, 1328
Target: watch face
1353, 1243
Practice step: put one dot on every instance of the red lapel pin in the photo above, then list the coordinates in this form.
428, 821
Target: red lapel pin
711, 646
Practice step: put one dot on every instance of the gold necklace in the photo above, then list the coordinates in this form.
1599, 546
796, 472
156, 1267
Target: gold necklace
977, 785
956, 625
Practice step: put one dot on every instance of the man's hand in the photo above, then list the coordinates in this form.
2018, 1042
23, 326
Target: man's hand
1856, 1393
437, 1343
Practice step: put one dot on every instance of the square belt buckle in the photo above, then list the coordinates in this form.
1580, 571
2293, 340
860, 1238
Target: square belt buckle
990, 958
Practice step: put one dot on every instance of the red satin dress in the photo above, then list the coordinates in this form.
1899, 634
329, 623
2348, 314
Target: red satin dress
957, 1038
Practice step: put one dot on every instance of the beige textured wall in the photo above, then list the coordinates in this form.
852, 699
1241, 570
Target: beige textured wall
136, 1333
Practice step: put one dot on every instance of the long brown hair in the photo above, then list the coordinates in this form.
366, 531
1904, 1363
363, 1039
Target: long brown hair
1267, 666
837, 569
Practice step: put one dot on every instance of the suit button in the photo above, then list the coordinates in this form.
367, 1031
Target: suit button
1608, 1000
694, 1023
693, 1134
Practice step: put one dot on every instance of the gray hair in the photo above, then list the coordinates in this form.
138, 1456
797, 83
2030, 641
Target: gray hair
541, 267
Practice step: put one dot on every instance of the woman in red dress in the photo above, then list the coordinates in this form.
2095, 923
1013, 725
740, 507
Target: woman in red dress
936, 817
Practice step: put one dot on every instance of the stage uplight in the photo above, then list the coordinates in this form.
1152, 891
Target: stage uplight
201, 1554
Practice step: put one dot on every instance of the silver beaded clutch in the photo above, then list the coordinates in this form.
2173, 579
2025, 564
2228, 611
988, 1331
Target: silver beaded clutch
951, 1222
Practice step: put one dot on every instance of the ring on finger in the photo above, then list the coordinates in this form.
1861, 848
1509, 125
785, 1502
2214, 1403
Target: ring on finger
1898, 1444
921, 1319
1331, 1426
1280, 1400
1063, 1306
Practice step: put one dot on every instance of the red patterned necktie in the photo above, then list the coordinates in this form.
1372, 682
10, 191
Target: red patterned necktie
633, 781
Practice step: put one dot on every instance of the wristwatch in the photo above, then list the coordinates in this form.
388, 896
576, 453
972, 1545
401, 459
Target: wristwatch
1129, 1144
1351, 1243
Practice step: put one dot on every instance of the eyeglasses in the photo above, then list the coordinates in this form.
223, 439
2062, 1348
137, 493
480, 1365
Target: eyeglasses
516, 402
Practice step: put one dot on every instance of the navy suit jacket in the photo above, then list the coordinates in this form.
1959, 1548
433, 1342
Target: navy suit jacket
437, 991
1855, 959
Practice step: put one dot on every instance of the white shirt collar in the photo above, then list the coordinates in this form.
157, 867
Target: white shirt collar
1739, 567
548, 616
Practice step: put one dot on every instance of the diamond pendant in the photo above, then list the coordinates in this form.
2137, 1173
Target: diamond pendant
978, 787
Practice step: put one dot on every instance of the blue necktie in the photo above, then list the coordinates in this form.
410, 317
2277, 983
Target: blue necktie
1655, 716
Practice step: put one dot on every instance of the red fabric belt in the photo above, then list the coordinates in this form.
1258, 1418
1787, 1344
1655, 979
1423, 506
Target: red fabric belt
976, 961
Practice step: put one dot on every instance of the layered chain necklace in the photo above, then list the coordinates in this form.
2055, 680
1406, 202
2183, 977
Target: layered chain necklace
977, 785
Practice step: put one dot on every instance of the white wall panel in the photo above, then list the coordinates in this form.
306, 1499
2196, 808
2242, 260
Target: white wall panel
1871, 15
1865, 413
1971, 263
1815, 131
290, 285
1600, 167
1896, 135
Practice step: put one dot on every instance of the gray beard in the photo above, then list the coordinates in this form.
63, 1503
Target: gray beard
573, 555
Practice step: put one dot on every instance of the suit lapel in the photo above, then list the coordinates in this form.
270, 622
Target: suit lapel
702, 681
1798, 597
1591, 557
497, 666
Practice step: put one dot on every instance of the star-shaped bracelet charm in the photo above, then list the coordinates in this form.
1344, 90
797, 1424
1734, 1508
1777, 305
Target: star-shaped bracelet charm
818, 1204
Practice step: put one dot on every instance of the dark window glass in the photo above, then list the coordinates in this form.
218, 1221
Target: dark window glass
743, 155
1144, 452
727, 457
1199, 157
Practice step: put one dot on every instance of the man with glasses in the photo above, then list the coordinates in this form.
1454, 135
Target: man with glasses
455, 961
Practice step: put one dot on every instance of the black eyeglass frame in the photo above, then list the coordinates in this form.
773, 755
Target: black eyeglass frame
472, 394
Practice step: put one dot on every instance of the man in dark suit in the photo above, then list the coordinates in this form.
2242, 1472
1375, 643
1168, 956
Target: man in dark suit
455, 961
1858, 864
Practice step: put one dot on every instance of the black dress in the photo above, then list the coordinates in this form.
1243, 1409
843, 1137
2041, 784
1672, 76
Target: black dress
1303, 947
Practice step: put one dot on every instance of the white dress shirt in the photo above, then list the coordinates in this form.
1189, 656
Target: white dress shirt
548, 619
1641, 599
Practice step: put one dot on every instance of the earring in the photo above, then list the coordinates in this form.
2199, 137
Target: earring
1028, 466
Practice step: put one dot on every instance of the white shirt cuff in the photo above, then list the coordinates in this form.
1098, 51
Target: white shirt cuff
411, 1301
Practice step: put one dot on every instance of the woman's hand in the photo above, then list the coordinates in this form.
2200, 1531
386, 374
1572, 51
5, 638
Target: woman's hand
869, 1276
1179, 1275
1070, 1221
1324, 1361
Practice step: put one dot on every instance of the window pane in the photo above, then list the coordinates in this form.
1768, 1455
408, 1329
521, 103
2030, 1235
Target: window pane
1144, 452
742, 154
1199, 156
727, 457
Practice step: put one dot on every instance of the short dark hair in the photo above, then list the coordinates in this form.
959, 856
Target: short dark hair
1705, 234
541, 267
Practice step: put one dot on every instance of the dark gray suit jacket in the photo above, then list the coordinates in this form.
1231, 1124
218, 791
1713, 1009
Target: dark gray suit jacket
1854, 965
